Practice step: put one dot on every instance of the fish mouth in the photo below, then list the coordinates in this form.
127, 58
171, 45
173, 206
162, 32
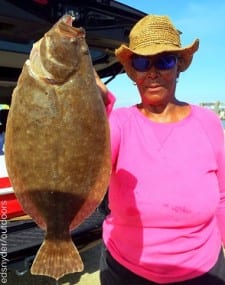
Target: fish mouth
68, 19
66, 27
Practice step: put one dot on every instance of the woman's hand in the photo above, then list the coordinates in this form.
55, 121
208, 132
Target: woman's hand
102, 87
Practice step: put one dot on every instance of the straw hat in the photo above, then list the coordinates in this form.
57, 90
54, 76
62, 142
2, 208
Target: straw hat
152, 35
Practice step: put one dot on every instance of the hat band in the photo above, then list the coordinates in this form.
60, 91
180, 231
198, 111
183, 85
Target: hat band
153, 46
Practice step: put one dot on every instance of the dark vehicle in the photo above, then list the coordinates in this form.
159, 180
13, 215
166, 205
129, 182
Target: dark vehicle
107, 25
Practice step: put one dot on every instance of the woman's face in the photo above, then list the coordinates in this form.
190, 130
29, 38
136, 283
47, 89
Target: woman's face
157, 86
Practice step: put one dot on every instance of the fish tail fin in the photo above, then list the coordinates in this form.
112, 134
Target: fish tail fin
56, 259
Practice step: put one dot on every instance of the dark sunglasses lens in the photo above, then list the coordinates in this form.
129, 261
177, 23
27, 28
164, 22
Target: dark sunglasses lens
141, 63
166, 62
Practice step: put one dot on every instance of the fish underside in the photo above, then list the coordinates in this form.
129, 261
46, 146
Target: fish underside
57, 146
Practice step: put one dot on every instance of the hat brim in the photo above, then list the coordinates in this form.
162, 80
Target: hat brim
124, 53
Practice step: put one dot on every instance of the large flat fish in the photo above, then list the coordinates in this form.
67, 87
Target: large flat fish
57, 145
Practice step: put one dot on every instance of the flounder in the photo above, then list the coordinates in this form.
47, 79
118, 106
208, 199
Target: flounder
57, 145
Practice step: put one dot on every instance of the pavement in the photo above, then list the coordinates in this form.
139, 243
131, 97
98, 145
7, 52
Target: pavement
90, 275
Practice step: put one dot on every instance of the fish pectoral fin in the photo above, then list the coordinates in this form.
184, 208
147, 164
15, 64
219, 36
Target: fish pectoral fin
57, 258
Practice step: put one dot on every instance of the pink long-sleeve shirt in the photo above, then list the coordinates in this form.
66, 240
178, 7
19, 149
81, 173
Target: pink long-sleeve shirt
167, 194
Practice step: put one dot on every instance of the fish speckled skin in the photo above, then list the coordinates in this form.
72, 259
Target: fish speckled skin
57, 144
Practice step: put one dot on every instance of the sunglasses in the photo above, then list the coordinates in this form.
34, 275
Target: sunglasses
144, 63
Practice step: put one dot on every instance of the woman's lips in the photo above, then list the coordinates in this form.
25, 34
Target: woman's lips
153, 86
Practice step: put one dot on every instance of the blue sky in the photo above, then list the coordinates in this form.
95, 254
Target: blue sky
204, 81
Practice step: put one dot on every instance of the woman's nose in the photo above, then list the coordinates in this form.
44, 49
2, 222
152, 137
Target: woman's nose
152, 72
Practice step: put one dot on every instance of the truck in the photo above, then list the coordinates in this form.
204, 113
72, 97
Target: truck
107, 25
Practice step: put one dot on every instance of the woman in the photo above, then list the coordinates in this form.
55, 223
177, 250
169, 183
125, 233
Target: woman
167, 189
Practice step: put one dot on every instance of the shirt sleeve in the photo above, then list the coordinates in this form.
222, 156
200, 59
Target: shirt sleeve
213, 127
110, 103
115, 136
221, 181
